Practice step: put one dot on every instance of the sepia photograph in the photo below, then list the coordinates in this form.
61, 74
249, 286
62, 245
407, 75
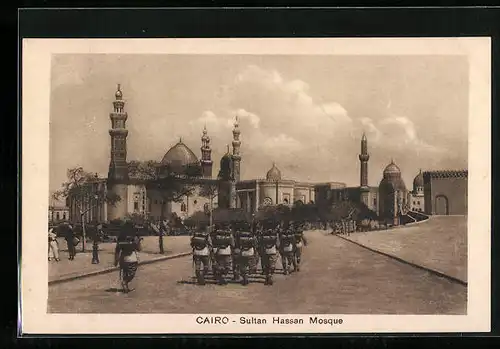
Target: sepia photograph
238, 183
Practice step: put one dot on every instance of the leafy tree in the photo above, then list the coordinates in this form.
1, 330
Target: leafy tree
304, 212
171, 183
276, 213
82, 190
210, 190
197, 218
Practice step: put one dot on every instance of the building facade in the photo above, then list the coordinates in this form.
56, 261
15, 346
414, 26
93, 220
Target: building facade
416, 200
58, 212
446, 192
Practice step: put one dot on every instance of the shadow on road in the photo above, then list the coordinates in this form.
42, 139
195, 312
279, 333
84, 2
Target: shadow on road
209, 280
114, 290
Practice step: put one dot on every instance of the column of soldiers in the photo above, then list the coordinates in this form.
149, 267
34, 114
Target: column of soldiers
241, 247
344, 226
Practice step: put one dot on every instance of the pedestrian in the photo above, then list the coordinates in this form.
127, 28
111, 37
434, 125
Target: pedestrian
95, 244
53, 246
126, 254
163, 231
71, 240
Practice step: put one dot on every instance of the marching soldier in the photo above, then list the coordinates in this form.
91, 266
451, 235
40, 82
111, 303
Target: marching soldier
201, 245
286, 247
223, 249
246, 244
268, 251
299, 241
235, 252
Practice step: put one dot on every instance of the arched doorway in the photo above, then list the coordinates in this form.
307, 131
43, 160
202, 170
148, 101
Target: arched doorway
442, 208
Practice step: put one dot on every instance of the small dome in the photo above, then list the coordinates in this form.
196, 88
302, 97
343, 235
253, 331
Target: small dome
392, 168
118, 93
226, 166
179, 156
274, 174
419, 180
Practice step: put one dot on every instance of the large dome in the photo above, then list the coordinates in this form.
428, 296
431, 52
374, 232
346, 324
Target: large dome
392, 169
179, 156
392, 177
419, 180
274, 174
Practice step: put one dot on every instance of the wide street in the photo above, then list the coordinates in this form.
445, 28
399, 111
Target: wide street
336, 277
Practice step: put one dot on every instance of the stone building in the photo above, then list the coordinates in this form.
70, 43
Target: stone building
416, 200
445, 192
273, 190
392, 194
137, 197
58, 211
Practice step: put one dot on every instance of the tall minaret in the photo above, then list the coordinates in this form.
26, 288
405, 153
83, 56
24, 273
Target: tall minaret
236, 150
118, 171
206, 155
363, 158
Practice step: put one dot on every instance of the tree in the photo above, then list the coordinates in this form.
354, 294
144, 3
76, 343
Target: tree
83, 190
171, 183
210, 190
304, 212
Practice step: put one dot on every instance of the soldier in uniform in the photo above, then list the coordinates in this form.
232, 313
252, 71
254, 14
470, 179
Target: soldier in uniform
223, 249
235, 252
269, 252
246, 244
299, 241
286, 247
202, 245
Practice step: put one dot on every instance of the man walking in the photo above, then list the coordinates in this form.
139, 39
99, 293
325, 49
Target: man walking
163, 231
95, 244
126, 254
71, 240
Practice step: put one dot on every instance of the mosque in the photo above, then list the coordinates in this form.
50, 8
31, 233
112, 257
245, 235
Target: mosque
389, 199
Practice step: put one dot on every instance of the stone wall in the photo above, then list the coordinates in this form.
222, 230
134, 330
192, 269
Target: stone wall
445, 192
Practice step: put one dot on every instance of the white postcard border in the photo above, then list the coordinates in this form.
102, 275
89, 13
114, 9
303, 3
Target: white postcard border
36, 62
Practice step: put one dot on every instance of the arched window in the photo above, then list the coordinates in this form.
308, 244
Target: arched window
183, 207
267, 201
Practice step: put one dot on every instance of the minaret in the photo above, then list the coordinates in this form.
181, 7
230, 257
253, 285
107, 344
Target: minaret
236, 150
206, 155
118, 171
363, 158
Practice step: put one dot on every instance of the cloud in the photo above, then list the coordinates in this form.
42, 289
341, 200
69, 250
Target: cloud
213, 123
399, 130
285, 105
281, 142
254, 120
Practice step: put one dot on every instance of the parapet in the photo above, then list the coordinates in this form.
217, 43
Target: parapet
445, 174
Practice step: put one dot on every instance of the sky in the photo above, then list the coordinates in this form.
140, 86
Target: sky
306, 113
